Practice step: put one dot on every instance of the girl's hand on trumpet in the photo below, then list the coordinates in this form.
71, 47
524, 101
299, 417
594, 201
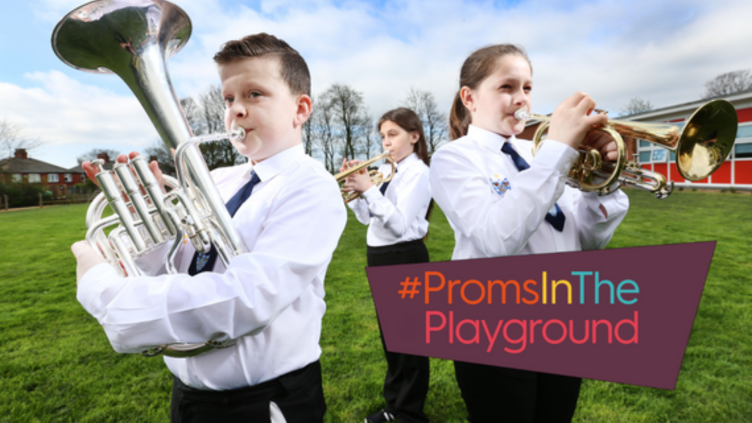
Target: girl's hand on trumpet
358, 181
573, 119
602, 142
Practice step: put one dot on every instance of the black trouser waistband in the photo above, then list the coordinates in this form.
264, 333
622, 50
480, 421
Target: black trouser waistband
402, 246
261, 391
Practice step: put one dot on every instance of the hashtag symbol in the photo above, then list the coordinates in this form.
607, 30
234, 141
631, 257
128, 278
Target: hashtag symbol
409, 287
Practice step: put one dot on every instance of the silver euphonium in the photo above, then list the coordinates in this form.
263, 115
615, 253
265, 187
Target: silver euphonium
133, 38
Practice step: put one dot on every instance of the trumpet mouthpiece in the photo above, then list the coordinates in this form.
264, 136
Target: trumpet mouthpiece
522, 114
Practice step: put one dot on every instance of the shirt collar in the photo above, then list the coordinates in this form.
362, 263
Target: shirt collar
488, 139
275, 164
407, 161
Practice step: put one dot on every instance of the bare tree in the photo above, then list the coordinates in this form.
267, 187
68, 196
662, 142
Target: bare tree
349, 114
728, 83
322, 127
370, 137
162, 154
435, 123
95, 152
12, 138
193, 114
308, 138
636, 105
207, 116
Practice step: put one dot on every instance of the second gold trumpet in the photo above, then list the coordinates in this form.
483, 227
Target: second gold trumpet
376, 176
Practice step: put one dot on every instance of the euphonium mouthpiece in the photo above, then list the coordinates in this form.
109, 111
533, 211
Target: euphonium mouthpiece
237, 133
522, 114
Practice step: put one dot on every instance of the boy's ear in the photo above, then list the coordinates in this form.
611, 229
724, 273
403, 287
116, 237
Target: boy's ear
304, 108
468, 98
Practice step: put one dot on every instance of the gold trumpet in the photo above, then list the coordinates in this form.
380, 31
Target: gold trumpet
376, 176
700, 147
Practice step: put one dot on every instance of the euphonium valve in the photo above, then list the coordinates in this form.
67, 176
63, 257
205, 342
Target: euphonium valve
701, 146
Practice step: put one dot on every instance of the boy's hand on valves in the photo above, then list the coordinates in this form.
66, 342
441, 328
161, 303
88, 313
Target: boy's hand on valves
572, 120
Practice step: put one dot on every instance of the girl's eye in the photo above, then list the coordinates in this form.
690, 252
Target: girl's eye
528, 89
505, 87
229, 100
254, 94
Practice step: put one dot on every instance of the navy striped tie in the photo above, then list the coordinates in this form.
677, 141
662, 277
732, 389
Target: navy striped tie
204, 262
555, 216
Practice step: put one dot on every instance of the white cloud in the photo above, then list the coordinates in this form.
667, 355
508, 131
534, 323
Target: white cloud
62, 111
661, 51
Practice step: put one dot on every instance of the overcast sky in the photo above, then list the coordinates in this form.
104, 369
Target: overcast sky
660, 50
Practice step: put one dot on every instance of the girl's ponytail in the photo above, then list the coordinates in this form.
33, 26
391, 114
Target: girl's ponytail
459, 119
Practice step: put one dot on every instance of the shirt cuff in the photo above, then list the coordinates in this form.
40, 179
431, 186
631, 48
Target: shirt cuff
93, 283
557, 155
371, 194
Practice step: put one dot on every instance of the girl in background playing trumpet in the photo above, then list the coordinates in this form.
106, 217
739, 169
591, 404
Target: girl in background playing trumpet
502, 201
397, 213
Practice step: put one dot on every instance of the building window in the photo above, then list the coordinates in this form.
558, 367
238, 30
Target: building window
68, 177
16, 177
659, 156
53, 178
743, 151
744, 131
34, 178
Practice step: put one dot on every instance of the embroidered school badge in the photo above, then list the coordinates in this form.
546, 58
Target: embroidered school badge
500, 186
201, 261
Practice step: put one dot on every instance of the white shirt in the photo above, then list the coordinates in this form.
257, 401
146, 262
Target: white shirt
489, 224
400, 215
291, 225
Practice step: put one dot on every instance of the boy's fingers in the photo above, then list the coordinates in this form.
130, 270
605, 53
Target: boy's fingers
91, 171
81, 248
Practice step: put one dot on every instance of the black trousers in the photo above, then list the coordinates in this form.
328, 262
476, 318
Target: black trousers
406, 381
498, 394
298, 394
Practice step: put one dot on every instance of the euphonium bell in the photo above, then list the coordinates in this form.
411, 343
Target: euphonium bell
700, 147
377, 177
133, 38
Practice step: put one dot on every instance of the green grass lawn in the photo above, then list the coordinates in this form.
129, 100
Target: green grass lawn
56, 363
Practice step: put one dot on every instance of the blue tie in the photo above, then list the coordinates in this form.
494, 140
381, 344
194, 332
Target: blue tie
555, 216
204, 262
386, 184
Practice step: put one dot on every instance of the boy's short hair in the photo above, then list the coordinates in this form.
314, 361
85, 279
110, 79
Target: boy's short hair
292, 68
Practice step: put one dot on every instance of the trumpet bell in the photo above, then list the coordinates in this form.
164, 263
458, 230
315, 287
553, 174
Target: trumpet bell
706, 140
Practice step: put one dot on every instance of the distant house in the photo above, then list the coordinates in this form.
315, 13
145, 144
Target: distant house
22, 168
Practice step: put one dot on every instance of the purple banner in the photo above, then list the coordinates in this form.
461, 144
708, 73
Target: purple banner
621, 315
